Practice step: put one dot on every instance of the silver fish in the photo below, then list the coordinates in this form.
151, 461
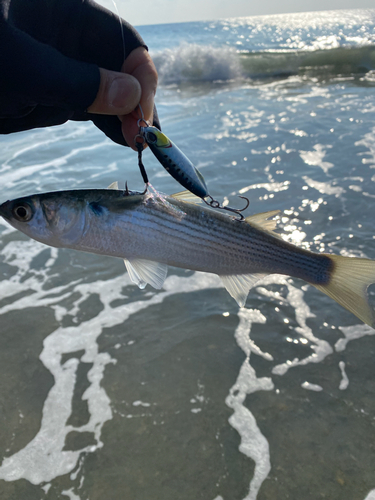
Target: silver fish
151, 231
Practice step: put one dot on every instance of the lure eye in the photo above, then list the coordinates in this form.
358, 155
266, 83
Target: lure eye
151, 138
22, 212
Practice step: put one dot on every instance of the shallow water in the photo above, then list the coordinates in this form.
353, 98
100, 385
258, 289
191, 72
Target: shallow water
108, 391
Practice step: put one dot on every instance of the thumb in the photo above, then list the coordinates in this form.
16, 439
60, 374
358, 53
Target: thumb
118, 94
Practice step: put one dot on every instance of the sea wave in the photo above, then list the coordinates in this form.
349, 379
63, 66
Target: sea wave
199, 63
193, 62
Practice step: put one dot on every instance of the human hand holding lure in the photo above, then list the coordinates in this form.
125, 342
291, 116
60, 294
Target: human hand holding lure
177, 164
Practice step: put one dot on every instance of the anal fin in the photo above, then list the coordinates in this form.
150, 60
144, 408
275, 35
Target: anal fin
238, 285
143, 271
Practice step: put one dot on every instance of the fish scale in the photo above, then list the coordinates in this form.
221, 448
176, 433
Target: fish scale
204, 240
152, 231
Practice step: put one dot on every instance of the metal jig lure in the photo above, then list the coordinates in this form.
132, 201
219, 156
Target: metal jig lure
175, 161
177, 164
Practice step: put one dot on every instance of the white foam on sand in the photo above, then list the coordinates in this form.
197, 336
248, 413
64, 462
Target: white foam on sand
311, 387
344, 381
352, 333
321, 348
44, 457
253, 443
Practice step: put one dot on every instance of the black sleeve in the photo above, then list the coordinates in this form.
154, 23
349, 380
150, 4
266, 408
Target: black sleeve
50, 51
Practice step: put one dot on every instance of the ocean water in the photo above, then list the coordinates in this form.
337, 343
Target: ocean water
108, 391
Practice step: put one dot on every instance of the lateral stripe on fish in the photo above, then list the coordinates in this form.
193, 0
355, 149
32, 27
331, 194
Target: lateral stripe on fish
151, 232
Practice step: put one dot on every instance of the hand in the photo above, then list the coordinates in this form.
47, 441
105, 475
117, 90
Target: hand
70, 60
120, 93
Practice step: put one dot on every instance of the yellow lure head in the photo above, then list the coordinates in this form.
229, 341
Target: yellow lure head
155, 137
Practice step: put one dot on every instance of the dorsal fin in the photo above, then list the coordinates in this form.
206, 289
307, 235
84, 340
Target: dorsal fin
187, 197
261, 220
114, 185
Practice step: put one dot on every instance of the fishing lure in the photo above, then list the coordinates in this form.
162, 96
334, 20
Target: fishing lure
177, 164
175, 161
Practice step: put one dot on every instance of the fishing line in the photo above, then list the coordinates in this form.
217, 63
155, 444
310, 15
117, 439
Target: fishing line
140, 141
122, 29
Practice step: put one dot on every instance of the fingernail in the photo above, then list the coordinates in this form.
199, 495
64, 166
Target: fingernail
123, 93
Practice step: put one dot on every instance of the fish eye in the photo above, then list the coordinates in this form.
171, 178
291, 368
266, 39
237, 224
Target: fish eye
22, 212
151, 137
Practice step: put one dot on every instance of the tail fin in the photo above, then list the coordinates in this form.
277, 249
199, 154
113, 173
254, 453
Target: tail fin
348, 285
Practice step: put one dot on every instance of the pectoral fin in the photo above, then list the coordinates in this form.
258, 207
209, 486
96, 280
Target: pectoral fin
143, 271
238, 285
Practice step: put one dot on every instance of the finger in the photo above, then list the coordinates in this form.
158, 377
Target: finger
140, 65
118, 94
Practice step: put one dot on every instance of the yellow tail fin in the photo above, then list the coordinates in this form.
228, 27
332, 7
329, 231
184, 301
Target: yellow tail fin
348, 285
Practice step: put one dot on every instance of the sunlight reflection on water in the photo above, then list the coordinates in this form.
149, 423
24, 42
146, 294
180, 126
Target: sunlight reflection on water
107, 388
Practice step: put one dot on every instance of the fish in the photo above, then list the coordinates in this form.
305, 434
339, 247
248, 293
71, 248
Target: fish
151, 231
175, 161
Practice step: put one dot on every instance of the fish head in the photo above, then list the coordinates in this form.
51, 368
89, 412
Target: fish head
53, 219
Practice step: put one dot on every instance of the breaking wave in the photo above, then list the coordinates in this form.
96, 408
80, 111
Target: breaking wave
198, 63
193, 62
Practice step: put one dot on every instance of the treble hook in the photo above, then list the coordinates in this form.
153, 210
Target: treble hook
215, 204
127, 191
